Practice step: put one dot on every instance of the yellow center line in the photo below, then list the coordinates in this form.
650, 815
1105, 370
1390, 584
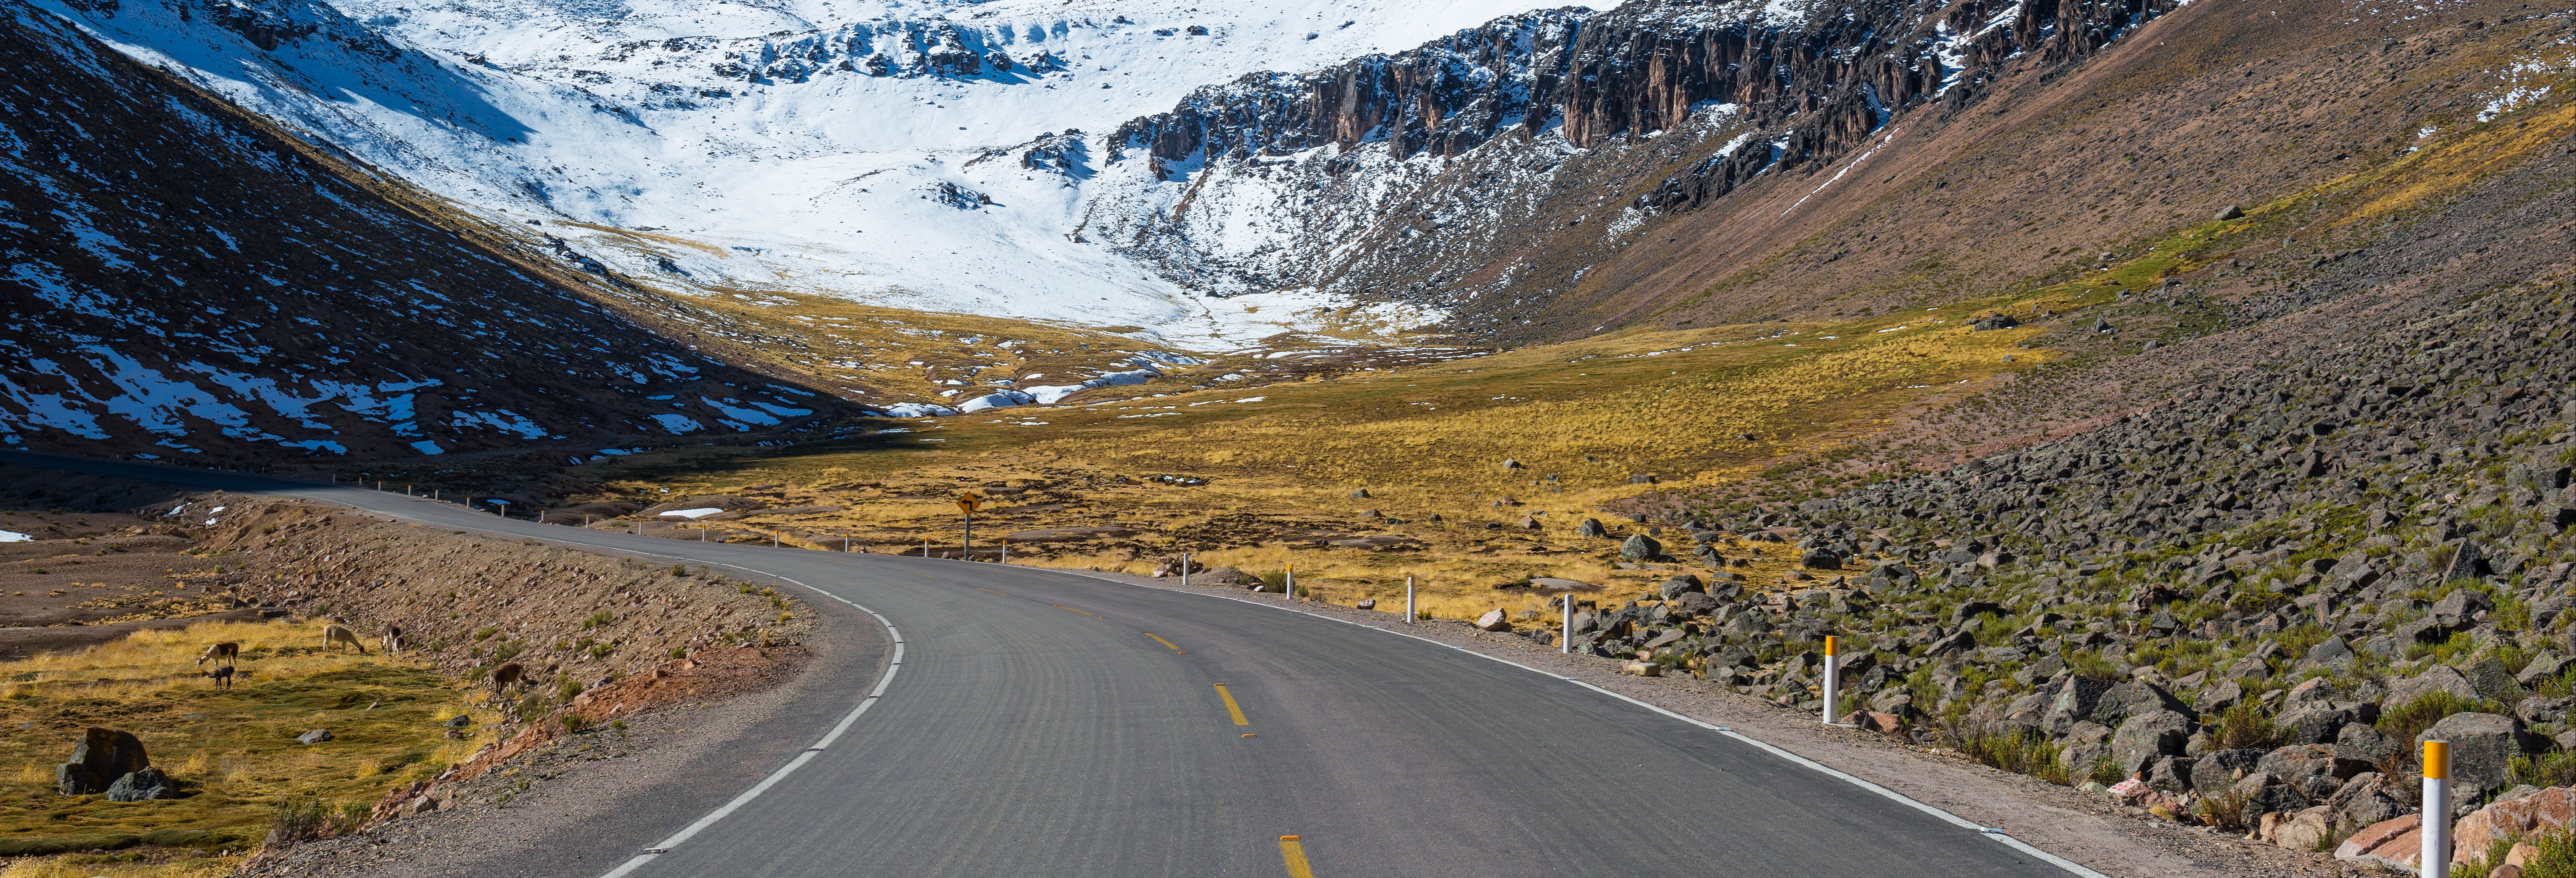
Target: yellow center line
1159, 639
1292, 850
1070, 610
989, 591
1230, 706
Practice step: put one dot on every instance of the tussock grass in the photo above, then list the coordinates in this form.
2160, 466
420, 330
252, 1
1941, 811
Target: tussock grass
1581, 418
233, 752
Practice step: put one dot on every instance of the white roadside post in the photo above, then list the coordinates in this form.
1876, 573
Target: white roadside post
2436, 859
1292, 582
1833, 667
1408, 600
1565, 639
1006, 560
1185, 569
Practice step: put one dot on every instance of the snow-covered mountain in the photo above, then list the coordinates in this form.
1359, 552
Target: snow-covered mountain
185, 283
879, 150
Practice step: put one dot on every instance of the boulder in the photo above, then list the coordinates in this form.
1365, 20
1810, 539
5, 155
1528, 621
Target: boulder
1821, 558
1959, 641
2310, 768
143, 785
1873, 721
1492, 620
2217, 770
2395, 843
2544, 811
2309, 830
99, 758
2146, 736
2368, 799
2361, 743
2438, 678
2229, 213
2494, 681
2264, 794
1695, 604
2314, 692
2074, 702
1681, 585
2333, 651
2135, 698
1590, 527
2314, 723
2544, 666
2170, 775
1641, 547
1642, 669
2483, 746
315, 736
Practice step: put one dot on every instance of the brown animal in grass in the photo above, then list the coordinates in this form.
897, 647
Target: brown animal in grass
506, 676
393, 639
223, 675
334, 635
226, 651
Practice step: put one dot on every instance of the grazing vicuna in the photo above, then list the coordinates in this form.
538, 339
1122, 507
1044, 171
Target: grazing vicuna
393, 640
506, 676
333, 635
227, 651
223, 675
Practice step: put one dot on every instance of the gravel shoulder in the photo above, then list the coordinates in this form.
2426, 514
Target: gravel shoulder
2090, 830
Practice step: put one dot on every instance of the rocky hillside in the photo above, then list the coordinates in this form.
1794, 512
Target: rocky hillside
2274, 556
190, 284
1677, 164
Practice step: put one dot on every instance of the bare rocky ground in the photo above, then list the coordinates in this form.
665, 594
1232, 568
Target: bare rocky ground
2088, 829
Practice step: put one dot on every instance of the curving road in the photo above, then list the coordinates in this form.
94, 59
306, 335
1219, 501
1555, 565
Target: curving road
1038, 722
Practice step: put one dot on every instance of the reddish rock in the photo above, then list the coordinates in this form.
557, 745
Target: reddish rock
2395, 844
2545, 810
1870, 721
1494, 621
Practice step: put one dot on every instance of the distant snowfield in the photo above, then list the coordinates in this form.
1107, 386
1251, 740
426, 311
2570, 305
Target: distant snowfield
913, 155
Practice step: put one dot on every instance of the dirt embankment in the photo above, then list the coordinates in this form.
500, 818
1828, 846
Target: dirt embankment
470, 603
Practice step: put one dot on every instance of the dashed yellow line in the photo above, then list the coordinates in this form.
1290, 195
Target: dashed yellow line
1292, 850
1071, 610
989, 591
1159, 639
1231, 707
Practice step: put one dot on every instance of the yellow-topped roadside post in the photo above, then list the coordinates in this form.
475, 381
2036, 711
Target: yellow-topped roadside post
967, 503
1833, 670
2436, 859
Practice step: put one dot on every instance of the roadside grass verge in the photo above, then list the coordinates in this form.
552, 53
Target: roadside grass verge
233, 752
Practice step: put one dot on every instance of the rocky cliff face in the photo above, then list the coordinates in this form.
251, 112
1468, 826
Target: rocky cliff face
1404, 175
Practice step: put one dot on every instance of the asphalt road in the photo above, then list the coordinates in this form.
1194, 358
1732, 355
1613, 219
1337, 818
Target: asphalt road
1048, 723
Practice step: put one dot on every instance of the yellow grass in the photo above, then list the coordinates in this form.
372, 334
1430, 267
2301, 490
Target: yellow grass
233, 752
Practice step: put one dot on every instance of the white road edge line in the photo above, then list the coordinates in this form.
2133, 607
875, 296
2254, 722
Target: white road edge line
1954, 819
897, 664
664, 846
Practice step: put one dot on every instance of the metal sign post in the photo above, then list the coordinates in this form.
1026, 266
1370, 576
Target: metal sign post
967, 504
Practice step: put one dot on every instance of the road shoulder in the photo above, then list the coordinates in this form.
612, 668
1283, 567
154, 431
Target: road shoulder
2090, 830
